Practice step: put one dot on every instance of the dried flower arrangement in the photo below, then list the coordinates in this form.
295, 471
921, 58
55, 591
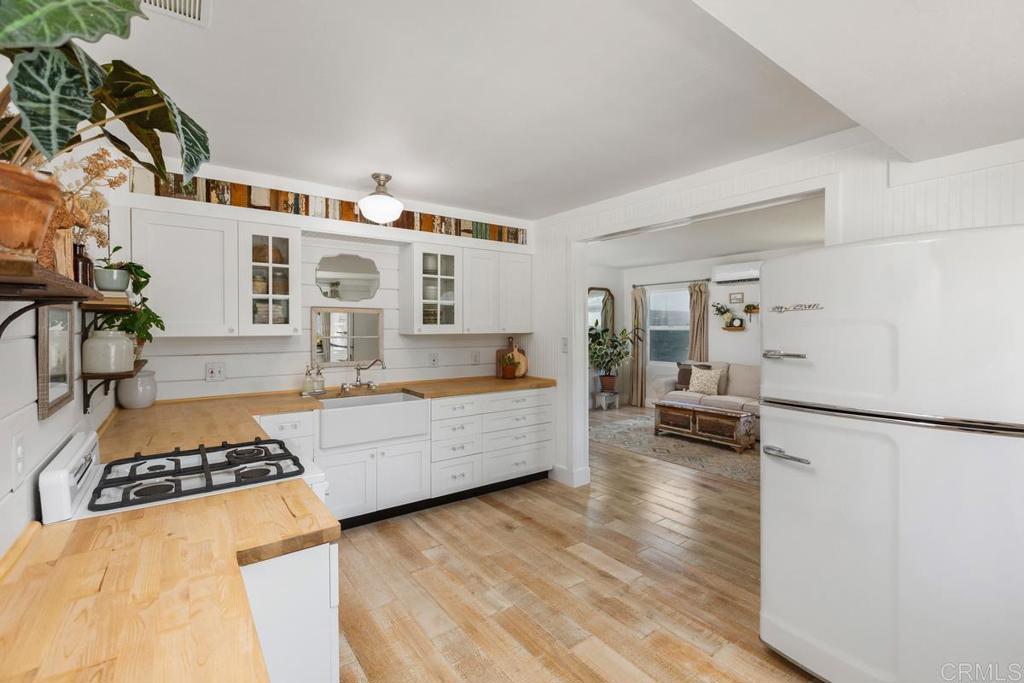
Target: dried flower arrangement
82, 214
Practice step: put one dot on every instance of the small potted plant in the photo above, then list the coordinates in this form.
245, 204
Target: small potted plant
509, 364
116, 276
608, 352
730, 321
138, 324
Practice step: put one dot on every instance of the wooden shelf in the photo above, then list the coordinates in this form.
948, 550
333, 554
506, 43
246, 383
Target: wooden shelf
104, 380
28, 281
117, 375
106, 306
735, 329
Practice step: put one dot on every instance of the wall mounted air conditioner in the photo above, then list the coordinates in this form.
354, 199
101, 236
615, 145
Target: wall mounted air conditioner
749, 271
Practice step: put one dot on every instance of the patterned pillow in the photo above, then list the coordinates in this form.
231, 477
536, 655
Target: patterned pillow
705, 380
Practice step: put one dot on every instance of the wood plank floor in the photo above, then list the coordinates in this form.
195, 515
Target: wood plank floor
648, 574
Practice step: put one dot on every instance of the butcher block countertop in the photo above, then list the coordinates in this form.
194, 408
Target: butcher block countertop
153, 594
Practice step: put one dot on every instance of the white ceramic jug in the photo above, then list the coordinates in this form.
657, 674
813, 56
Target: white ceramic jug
108, 352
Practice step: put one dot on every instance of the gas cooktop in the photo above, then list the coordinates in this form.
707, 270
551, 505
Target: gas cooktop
147, 479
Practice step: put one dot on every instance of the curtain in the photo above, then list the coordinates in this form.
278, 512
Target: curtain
638, 369
698, 322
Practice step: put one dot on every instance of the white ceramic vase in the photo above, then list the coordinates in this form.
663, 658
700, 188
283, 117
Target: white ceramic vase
111, 280
137, 392
108, 352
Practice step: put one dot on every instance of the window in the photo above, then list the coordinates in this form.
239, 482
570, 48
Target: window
668, 325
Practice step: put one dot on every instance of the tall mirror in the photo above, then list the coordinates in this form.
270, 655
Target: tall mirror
55, 336
600, 308
346, 336
347, 277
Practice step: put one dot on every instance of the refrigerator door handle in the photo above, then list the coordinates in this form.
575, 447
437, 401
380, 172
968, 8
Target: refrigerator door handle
775, 354
776, 452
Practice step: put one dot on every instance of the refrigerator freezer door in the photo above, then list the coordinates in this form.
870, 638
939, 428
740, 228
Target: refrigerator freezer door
895, 553
916, 326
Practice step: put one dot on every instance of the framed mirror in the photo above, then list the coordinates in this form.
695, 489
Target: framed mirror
343, 337
347, 277
55, 358
600, 308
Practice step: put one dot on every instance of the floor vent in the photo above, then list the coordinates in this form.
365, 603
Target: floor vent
192, 11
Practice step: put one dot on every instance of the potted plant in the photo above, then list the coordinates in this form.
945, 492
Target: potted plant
55, 87
509, 364
729, 319
138, 324
116, 276
608, 352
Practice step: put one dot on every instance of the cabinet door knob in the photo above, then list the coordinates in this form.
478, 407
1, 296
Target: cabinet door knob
372, 456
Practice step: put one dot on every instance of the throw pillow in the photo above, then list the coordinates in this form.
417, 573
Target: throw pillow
705, 380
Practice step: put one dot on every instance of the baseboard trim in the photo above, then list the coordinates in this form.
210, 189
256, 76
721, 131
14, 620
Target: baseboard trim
381, 515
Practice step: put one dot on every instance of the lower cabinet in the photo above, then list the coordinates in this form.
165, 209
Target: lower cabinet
352, 482
371, 479
294, 602
403, 474
457, 474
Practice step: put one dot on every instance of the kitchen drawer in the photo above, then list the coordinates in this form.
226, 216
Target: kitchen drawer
513, 400
457, 406
455, 428
455, 448
511, 419
454, 475
521, 436
510, 463
288, 425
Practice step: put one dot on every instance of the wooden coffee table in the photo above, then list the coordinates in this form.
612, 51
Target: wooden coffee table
733, 428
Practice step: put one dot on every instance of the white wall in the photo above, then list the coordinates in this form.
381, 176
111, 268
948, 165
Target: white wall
18, 418
255, 364
870, 192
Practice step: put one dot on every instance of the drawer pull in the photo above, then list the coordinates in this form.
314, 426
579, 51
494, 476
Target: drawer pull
520, 419
519, 400
520, 437
460, 428
776, 452
460, 447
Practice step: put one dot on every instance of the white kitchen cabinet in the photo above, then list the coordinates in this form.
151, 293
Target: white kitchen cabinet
219, 278
294, 604
351, 481
403, 474
515, 287
193, 261
431, 290
481, 291
294, 429
269, 282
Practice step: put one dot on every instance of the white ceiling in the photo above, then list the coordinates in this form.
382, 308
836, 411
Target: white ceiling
795, 224
929, 77
521, 108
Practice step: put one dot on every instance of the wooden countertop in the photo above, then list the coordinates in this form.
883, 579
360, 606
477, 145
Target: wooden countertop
187, 423
153, 594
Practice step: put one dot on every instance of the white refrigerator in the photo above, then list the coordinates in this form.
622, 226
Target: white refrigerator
892, 458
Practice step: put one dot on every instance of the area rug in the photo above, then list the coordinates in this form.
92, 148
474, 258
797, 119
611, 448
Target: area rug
636, 434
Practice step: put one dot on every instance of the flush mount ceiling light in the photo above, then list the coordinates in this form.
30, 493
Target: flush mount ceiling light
379, 206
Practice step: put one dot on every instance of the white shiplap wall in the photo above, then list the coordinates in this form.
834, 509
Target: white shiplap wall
852, 166
18, 416
274, 363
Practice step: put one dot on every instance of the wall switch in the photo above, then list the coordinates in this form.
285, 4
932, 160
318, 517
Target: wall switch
433, 357
215, 372
18, 450
565, 345
476, 358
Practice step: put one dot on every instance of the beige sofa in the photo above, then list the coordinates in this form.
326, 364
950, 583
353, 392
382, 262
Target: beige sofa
739, 388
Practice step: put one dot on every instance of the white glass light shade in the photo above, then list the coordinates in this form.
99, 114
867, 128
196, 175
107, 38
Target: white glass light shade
380, 207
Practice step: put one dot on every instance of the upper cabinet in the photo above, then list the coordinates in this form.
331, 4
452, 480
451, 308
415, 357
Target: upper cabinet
465, 291
219, 278
270, 268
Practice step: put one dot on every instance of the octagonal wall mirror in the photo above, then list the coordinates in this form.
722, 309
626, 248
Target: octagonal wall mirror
347, 277
343, 337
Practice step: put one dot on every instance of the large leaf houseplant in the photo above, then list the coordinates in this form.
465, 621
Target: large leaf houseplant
608, 351
57, 98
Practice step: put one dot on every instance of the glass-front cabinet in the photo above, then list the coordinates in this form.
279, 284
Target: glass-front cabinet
434, 298
269, 269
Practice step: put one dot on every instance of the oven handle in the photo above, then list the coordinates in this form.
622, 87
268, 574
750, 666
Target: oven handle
776, 452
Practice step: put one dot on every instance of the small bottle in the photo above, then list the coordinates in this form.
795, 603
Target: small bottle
318, 380
307, 382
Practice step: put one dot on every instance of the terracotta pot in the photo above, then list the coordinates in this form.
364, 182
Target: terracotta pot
608, 382
508, 371
27, 201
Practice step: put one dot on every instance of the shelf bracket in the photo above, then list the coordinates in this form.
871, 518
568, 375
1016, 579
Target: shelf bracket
18, 313
105, 383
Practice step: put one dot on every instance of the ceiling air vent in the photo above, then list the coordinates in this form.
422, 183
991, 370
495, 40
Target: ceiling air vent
192, 11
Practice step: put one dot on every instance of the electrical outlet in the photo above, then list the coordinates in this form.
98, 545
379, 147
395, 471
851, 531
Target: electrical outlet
18, 449
476, 358
433, 359
215, 372
565, 345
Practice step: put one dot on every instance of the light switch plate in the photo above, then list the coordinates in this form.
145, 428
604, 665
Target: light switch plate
476, 358
215, 372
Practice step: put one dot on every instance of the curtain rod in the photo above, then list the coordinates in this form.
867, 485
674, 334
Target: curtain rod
677, 282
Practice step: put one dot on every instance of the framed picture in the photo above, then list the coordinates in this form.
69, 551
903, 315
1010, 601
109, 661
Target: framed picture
735, 297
